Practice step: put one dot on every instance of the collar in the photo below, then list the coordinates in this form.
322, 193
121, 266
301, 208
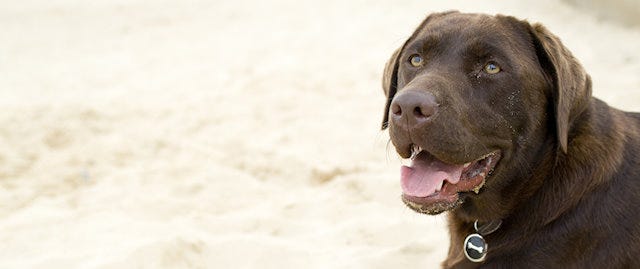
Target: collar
486, 228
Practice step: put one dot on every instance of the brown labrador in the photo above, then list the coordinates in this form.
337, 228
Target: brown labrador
501, 128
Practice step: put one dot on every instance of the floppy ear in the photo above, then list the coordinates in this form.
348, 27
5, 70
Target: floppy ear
571, 90
390, 83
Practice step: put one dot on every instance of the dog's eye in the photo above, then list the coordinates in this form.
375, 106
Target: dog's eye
492, 68
416, 60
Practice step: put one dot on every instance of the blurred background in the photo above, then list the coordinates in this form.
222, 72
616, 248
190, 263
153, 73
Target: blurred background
232, 134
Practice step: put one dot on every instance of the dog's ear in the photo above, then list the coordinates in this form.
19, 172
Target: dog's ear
390, 76
390, 83
571, 85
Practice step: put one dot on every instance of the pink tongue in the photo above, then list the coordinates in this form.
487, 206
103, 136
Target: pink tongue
426, 175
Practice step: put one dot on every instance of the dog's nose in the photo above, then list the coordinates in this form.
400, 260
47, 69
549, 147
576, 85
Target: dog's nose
411, 109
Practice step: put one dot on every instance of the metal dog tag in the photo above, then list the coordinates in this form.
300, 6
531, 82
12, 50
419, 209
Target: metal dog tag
475, 248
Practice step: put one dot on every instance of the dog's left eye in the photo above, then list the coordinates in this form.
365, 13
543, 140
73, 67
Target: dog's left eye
492, 68
416, 60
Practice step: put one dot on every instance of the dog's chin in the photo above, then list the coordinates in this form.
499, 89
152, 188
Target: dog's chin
432, 205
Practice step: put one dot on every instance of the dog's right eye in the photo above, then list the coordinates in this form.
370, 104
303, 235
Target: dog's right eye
492, 68
415, 60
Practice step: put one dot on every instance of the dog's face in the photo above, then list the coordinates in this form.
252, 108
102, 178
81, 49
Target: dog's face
470, 99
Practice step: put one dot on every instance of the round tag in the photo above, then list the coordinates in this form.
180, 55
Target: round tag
475, 248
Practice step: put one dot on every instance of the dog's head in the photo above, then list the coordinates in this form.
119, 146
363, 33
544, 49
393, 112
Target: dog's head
472, 99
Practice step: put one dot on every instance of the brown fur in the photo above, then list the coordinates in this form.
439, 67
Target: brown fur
568, 185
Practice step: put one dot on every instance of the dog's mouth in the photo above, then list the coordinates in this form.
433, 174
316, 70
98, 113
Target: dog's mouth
432, 186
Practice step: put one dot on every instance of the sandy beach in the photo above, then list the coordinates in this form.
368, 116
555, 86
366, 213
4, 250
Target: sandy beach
228, 134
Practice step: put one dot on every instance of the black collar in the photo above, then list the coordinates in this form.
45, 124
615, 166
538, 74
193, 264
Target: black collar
485, 228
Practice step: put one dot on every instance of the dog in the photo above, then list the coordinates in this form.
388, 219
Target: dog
503, 133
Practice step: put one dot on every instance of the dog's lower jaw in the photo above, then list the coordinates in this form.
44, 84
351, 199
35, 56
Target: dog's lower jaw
435, 208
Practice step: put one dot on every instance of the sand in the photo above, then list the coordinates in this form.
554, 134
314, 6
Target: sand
229, 134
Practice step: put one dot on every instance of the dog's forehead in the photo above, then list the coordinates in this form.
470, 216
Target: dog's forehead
467, 32
463, 26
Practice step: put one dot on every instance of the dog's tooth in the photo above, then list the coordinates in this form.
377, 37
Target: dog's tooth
466, 165
415, 149
439, 187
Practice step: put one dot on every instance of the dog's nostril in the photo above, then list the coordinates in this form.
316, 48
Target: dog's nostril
418, 113
396, 110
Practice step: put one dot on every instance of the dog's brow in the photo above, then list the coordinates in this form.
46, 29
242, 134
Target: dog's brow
481, 49
426, 43
430, 42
